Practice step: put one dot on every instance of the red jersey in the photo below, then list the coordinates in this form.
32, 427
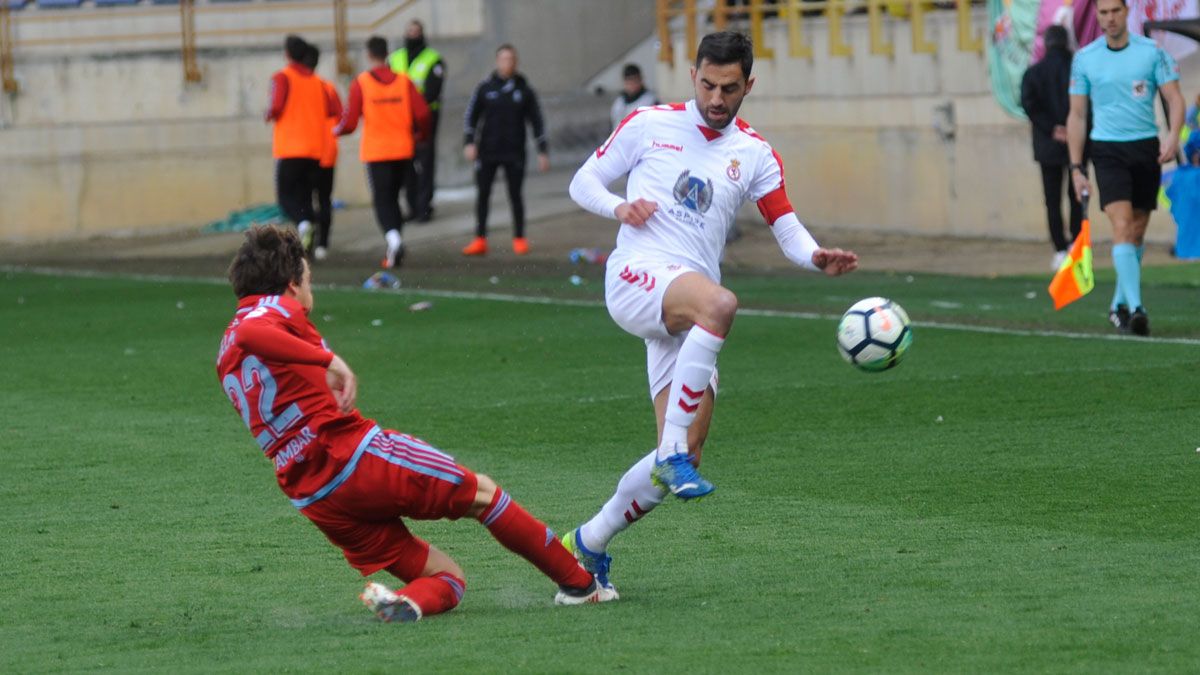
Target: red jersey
271, 365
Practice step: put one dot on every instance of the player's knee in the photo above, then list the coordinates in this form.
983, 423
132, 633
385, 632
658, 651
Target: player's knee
722, 307
485, 492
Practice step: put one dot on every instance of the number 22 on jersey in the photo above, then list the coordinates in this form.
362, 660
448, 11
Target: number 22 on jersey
257, 384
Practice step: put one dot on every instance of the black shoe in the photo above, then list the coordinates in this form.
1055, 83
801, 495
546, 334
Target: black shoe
1139, 323
1119, 318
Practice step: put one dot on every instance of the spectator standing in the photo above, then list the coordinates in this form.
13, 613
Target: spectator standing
1045, 100
395, 119
323, 184
495, 120
298, 109
424, 67
634, 95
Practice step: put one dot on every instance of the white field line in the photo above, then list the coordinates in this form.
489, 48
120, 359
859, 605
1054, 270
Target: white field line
565, 302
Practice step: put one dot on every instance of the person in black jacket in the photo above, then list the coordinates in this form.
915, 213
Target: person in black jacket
495, 137
1045, 100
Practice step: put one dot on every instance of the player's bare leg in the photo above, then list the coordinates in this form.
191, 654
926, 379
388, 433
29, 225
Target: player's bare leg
438, 588
703, 311
529, 538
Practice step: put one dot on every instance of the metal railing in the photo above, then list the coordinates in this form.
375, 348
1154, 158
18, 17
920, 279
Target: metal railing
7, 81
188, 35
794, 12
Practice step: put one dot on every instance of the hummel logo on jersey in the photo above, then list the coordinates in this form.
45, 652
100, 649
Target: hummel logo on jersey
667, 146
693, 193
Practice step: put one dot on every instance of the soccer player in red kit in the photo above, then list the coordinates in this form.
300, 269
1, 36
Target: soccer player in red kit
352, 479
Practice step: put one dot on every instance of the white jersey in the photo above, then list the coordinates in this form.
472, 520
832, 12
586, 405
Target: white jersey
698, 176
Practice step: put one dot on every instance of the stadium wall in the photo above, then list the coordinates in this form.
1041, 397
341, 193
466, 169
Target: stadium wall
106, 137
914, 143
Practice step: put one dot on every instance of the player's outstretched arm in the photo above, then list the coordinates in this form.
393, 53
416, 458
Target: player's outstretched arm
342, 383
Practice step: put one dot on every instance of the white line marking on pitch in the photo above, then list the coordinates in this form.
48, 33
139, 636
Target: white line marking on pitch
566, 302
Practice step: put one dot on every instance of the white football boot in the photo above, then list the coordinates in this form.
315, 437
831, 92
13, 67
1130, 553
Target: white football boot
591, 594
389, 606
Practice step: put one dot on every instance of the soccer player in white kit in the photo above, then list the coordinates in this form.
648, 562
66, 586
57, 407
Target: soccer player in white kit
691, 166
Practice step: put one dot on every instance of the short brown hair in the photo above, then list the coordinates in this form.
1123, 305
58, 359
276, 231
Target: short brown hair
269, 259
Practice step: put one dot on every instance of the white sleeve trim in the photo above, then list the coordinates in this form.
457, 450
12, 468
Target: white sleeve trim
797, 244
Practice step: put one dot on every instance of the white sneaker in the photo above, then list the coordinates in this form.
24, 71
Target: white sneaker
395, 249
1059, 257
306, 233
320, 253
592, 594
389, 606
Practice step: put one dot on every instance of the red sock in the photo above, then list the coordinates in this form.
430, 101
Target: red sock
436, 594
528, 537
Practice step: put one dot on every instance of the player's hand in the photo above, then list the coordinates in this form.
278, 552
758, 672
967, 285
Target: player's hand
1082, 185
342, 383
1059, 134
1168, 149
543, 162
835, 261
469, 152
637, 212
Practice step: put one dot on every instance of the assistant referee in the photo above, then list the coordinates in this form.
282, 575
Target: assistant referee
1120, 74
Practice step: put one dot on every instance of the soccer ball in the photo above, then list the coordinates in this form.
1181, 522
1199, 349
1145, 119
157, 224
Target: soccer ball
874, 334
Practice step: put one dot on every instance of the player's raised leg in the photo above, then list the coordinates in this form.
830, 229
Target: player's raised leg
529, 538
704, 310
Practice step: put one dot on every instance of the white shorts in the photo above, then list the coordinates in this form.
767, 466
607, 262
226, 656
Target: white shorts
633, 292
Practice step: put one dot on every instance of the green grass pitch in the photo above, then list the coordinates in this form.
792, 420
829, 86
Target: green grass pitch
999, 502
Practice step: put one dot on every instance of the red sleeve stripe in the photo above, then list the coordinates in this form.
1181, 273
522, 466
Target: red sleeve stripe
775, 205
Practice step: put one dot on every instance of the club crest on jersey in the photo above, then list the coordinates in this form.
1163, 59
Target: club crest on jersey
693, 193
734, 170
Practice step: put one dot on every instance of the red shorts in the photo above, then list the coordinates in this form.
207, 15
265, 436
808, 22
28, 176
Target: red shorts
396, 475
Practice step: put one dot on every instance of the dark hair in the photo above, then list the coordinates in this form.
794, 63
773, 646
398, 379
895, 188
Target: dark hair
724, 48
312, 56
269, 259
377, 47
631, 70
1055, 37
418, 24
505, 46
295, 47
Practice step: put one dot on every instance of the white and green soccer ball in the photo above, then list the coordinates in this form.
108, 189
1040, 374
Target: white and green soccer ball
874, 334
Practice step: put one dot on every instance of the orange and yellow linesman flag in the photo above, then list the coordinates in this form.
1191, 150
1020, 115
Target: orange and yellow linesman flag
1075, 279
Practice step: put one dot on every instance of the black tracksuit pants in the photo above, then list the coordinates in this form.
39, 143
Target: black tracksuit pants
294, 182
420, 185
514, 177
324, 190
387, 180
1052, 186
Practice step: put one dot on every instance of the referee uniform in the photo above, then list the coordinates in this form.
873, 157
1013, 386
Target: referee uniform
1122, 85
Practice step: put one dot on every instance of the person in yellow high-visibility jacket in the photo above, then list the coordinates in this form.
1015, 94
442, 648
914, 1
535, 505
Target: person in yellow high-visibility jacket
424, 67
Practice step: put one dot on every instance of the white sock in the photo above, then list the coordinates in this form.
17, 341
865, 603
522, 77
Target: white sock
635, 497
693, 370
